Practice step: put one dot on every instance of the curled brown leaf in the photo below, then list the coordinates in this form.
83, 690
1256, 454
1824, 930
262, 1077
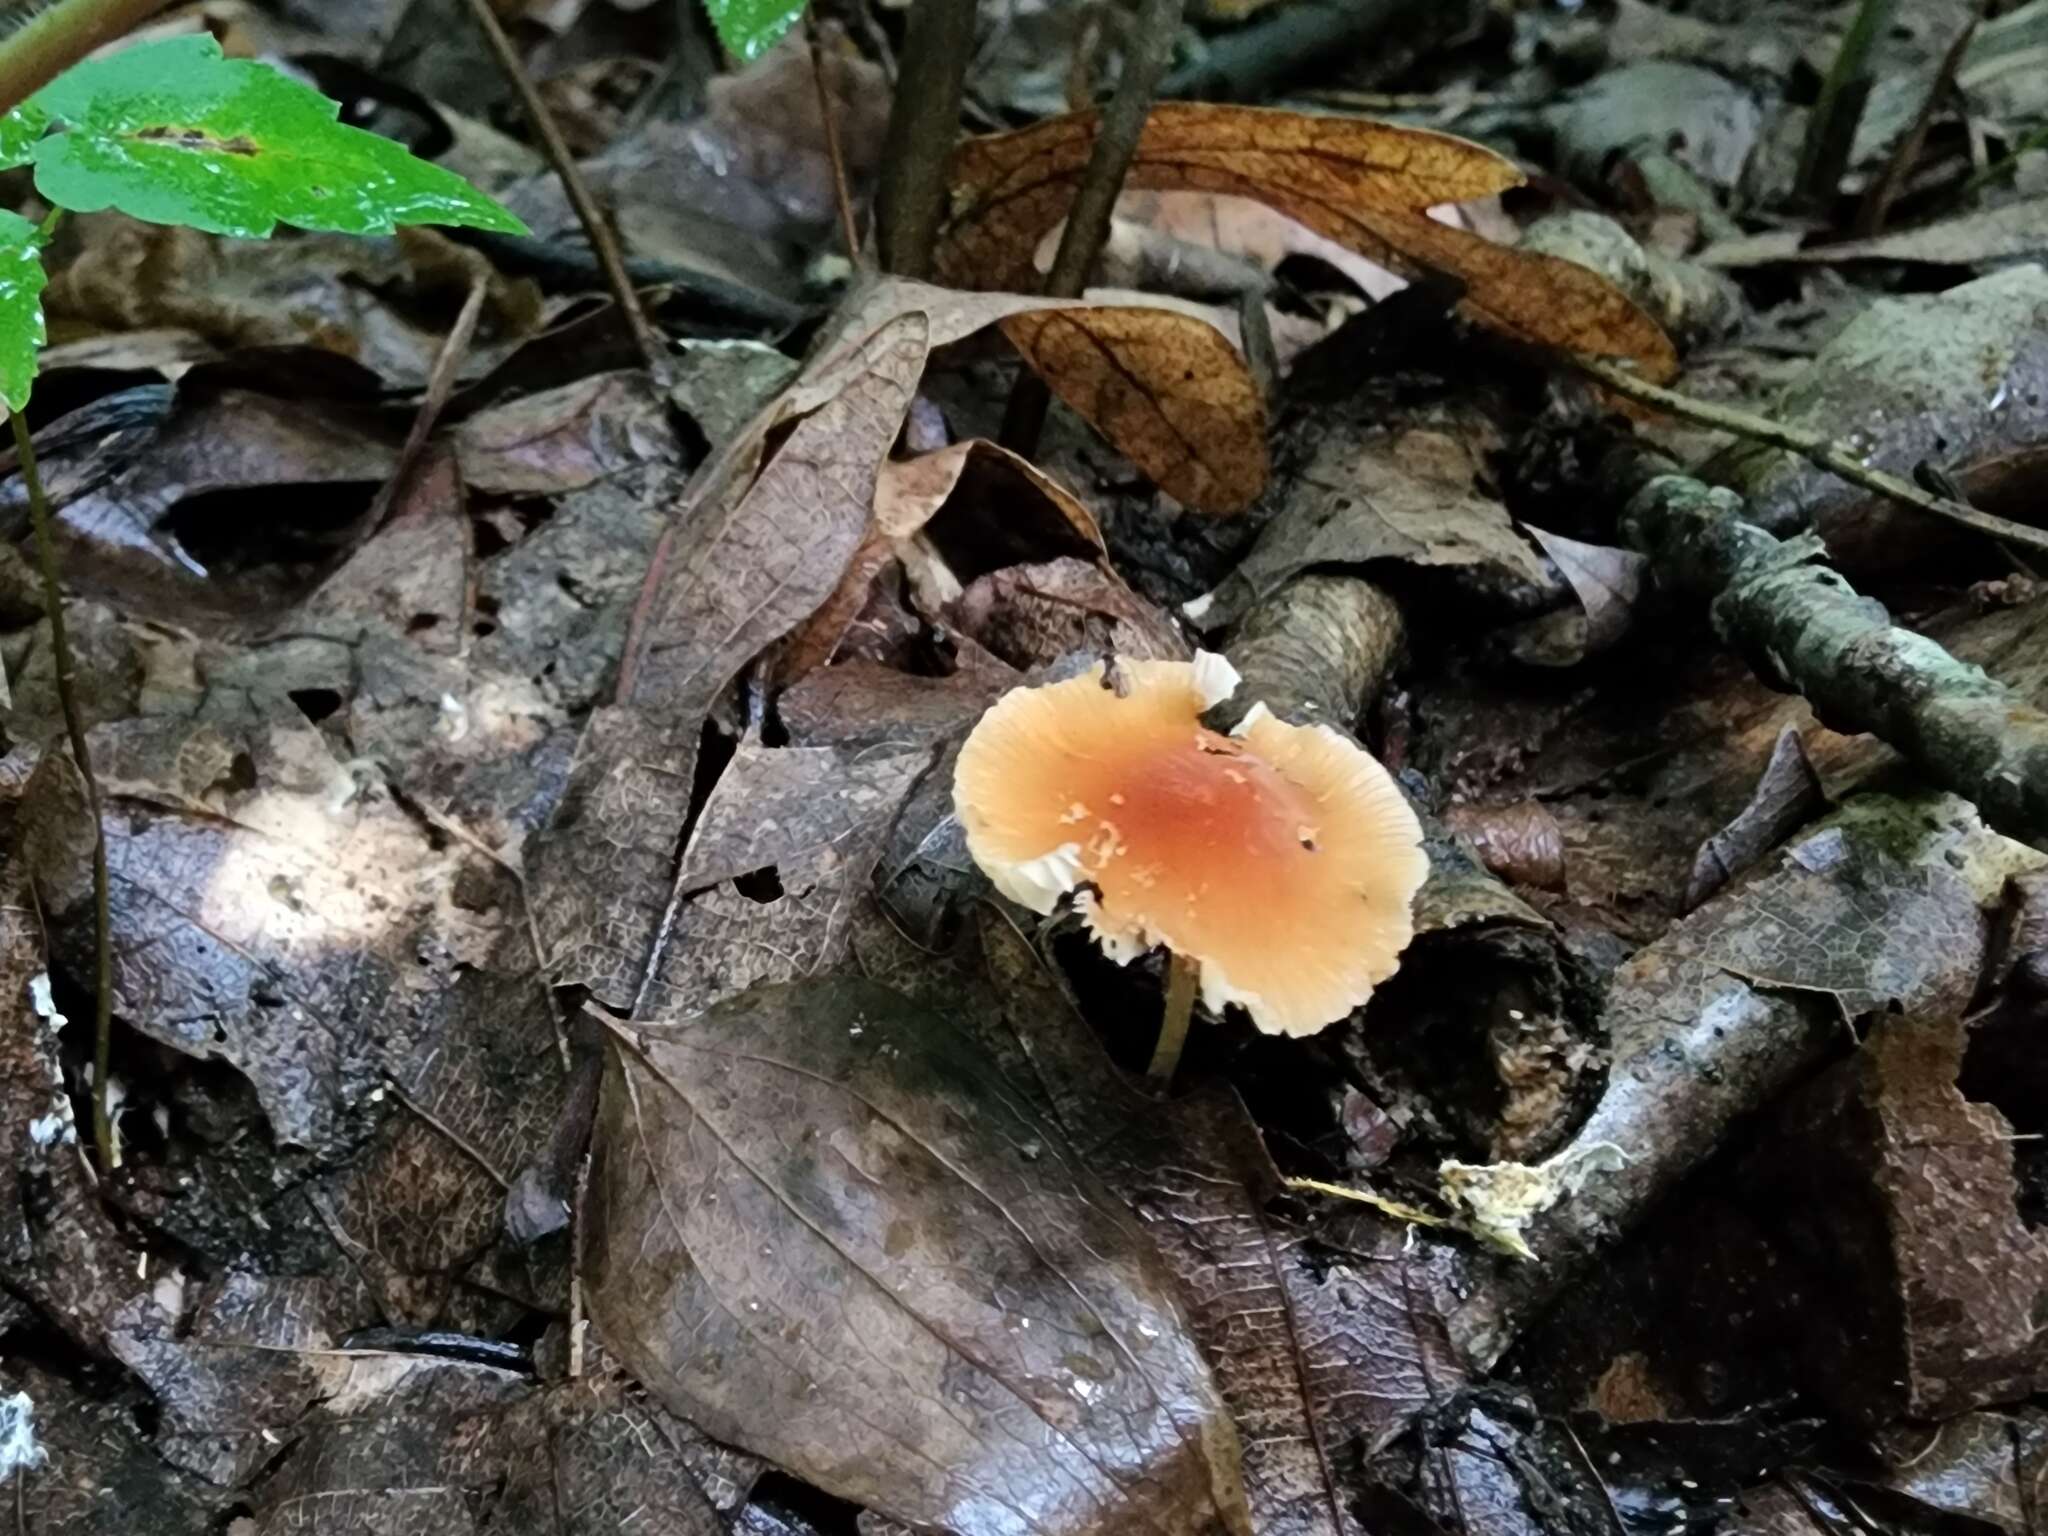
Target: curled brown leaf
1167, 389
1362, 183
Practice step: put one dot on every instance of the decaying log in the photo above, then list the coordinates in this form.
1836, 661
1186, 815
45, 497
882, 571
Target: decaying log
1488, 1031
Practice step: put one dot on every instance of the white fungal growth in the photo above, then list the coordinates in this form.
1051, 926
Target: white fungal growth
18, 1445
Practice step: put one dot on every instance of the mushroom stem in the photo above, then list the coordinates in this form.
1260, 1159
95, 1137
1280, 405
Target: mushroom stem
1181, 978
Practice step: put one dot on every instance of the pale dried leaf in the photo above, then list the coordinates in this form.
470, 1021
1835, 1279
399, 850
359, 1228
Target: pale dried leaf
1608, 583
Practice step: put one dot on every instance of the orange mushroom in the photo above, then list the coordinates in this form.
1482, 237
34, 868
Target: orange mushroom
1275, 864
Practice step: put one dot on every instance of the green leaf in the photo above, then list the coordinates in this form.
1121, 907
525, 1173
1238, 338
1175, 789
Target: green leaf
21, 307
19, 131
174, 133
749, 28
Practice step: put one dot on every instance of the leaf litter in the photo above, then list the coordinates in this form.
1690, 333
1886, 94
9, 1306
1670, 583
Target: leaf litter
586, 787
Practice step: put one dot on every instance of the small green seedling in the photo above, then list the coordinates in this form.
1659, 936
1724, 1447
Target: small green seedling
749, 28
175, 133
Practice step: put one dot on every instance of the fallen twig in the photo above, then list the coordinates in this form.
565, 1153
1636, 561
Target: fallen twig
828, 122
74, 724
440, 385
1260, 60
1808, 631
1834, 457
1877, 203
599, 233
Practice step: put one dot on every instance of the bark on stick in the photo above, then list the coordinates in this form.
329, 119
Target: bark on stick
1806, 630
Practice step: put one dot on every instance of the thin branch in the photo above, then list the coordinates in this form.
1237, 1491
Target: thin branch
924, 122
1117, 132
440, 385
1877, 203
1834, 457
828, 120
74, 725
50, 43
602, 242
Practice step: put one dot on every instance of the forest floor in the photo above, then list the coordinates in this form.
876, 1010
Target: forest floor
569, 1073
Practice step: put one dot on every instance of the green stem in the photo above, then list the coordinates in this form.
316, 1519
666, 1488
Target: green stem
74, 724
1182, 977
1831, 131
51, 42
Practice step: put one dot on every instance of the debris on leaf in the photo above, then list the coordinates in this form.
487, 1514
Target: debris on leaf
1501, 1199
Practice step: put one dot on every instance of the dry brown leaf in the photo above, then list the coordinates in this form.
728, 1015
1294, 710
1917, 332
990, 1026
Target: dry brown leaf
911, 491
1164, 386
1168, 390
749, 563
1361, 183
1002, 530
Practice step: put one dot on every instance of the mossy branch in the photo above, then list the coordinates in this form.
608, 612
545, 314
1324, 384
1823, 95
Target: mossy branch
1806, 630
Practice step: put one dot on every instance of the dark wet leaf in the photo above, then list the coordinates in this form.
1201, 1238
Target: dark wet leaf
1031, 615
1520, 842
1899, 1195
1409, 497
826, 1231
754, 559
1986, 1467
406, 1443
1787, 796
59, 1248
101, 1477
567, 438
148, 511
782, 851
267, 907
1321, 1345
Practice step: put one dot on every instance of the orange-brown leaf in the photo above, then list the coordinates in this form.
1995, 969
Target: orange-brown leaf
1166, 388
1362, 183
1010, 188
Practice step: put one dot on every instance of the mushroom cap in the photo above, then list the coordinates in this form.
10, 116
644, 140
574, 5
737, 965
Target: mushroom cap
1281, 858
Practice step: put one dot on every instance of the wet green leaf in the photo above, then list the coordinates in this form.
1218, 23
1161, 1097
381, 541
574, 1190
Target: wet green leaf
749, 28
174, 133
19, 131
21, 307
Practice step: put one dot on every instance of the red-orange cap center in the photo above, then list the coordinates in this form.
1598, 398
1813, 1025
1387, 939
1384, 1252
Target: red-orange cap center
1205, 804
